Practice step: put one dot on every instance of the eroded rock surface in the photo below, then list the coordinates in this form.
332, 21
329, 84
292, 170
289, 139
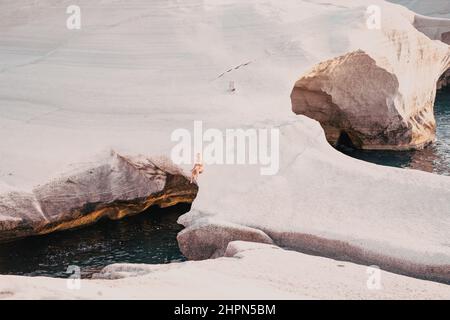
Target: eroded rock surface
328, 205
380, 99
197, 243
119, 187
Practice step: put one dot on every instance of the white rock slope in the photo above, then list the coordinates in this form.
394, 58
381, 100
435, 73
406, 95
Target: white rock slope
328, 204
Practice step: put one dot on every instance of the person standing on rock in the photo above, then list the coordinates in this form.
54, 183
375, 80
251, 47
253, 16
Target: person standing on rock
197, 169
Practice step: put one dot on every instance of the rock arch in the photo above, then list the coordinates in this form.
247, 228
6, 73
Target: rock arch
352, 94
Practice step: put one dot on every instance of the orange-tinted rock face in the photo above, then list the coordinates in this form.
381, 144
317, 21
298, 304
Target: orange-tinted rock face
120, 187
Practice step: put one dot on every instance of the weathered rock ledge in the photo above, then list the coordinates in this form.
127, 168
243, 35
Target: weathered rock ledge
119, 187
380, 98
210, 240
328, 205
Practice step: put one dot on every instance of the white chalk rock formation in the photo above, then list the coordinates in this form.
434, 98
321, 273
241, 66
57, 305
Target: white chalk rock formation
321, 203
383, 97
118, 187
133, 74
249, 271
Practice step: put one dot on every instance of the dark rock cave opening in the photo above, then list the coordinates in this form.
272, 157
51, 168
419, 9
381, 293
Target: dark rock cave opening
344, 141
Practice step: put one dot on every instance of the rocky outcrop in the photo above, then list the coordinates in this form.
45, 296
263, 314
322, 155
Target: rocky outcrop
119, 187
352, 95
328, 205
209, 238
379, 100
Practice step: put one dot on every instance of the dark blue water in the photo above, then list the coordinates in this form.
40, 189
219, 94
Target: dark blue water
149, 237
435, 158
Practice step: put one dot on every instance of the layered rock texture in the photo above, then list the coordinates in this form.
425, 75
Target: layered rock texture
383, 98
118, 187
